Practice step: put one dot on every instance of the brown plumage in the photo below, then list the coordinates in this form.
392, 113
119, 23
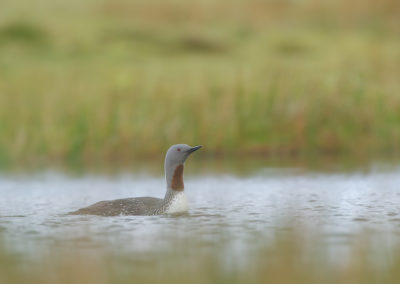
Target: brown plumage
177, 179
126, 206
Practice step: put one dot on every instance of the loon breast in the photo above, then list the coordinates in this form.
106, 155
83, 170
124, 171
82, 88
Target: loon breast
177, 204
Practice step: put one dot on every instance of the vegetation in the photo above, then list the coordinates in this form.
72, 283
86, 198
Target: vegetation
89, 81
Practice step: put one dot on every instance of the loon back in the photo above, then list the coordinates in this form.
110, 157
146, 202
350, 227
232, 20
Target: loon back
126, 206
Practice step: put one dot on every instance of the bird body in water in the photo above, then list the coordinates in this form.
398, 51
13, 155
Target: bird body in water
173, 202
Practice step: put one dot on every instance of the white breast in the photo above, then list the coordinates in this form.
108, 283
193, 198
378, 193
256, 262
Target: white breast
178, 204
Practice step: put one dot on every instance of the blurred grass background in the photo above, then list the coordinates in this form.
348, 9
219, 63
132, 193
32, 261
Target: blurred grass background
88, 82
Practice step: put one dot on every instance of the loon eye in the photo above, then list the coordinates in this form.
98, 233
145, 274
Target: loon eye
179, 149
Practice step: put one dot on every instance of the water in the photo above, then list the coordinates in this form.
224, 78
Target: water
235, 214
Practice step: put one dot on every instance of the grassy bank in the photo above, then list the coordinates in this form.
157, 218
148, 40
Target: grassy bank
84, 82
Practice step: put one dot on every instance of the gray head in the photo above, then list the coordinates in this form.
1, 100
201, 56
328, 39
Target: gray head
174, 160
177, 154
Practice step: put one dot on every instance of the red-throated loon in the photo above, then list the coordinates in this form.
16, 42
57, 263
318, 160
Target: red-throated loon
173, 202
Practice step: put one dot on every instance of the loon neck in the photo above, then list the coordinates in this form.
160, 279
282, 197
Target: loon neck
174, 177
175, 199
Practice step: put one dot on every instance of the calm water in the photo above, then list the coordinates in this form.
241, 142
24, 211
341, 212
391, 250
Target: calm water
234, 214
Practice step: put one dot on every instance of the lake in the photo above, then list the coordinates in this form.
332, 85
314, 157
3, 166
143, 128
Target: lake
230, 216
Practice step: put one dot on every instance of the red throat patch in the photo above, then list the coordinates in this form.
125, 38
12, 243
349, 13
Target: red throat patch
177, 179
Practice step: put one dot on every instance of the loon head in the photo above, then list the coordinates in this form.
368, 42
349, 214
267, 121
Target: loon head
174, 161
177, 154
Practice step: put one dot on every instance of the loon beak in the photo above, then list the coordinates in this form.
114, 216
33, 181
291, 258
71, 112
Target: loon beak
195, 148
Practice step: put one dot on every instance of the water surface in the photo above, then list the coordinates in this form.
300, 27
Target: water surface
229, 214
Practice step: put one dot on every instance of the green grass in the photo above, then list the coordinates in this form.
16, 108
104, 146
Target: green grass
85, 82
